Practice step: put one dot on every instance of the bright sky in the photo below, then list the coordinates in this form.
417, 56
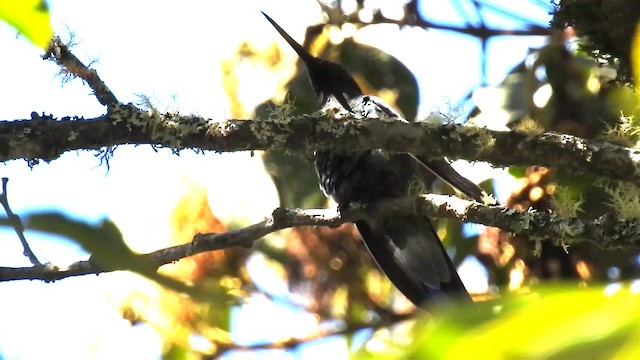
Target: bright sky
171, 51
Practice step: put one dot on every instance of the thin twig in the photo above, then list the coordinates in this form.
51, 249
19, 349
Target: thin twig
280, 219
59, 52
17, 225
412, 19
350, 328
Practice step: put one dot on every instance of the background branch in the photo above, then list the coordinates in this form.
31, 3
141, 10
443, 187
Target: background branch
412, 18
17, 225
350, 328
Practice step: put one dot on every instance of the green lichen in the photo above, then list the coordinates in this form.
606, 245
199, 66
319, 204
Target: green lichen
529, 126
625, 199
537, 247
567, 202
482, 139
626, 132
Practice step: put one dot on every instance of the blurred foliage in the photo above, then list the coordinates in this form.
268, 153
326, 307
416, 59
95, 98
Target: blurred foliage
605, 29
559, 89
554, 322
191, 297
30, 18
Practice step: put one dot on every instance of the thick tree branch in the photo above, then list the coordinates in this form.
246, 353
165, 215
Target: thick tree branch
46, 138
606, 231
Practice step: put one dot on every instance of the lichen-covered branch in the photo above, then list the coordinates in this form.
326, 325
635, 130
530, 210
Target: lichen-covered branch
46, 138
59, 53
606, 231
280, 219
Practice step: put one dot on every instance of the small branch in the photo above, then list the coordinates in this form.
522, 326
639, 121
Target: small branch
350, 328
412, 18
605, 231
17, 225
280, 219
59, 53
44, 137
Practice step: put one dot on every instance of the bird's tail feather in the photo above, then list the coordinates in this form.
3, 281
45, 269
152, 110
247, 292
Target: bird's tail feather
442, 169
409, 252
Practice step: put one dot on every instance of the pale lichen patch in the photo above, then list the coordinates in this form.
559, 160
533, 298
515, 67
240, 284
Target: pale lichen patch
482, 139
525, 221
73, 135
273, 130
167, 129
219, 128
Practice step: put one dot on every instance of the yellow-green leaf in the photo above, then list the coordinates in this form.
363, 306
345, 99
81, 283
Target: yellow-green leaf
555, 322
30, 18
635, 54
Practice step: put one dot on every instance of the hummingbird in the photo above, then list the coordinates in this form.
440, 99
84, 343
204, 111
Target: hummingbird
406, 248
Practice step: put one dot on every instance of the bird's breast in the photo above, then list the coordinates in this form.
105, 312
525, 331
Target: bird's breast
363, 176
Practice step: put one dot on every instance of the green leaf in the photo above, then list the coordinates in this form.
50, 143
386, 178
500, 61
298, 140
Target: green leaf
559, 322
517, 171
31, 19
635, 54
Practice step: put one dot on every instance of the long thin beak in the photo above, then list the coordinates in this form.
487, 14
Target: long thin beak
304, 54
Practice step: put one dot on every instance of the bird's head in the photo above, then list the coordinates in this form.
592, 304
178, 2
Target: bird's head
328, 78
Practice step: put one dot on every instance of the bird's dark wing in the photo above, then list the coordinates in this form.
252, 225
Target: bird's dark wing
406, 248
374, 107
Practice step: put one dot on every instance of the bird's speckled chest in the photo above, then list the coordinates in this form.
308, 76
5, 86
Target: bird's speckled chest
366, 176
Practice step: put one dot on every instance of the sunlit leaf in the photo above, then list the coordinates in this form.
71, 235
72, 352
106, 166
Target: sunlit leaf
30, 18
635, 53
556, 322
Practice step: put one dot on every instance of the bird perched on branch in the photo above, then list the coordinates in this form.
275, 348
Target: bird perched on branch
406, 248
